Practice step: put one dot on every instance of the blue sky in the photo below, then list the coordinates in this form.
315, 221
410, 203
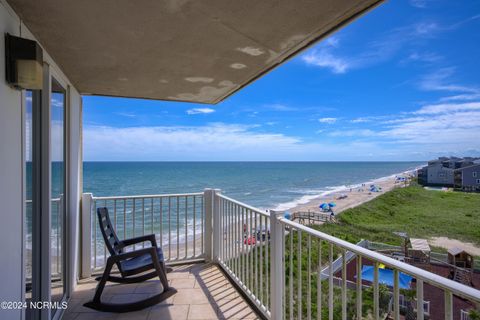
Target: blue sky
400, 83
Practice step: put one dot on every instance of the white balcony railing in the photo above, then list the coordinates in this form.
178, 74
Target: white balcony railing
56, 237
286, 269
177, 220
244, 250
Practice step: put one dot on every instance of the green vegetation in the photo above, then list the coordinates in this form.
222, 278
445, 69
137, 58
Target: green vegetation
297, 268
419, 212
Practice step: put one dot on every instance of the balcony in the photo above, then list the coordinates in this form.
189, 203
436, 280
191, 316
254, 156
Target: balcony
203, 293
234, 261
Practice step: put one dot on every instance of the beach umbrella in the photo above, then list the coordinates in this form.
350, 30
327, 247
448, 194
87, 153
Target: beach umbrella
324, 206
332, 204
287, 215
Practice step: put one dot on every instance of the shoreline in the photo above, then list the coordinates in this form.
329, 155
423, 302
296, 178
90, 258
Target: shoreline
357, 194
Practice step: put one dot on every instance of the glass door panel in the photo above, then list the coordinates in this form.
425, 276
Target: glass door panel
58, 178
29, 208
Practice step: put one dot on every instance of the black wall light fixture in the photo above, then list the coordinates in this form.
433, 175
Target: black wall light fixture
23, 63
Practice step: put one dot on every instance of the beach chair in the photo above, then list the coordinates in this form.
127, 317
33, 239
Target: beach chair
132, 265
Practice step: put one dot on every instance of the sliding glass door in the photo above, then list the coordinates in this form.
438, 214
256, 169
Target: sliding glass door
58, 193
46, 200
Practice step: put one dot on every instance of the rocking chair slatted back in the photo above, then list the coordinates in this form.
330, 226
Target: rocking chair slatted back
112, 242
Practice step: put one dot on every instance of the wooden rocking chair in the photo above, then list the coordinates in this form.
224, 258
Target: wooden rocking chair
129, 264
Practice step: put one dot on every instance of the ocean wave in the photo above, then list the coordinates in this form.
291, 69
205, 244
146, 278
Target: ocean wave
311, 194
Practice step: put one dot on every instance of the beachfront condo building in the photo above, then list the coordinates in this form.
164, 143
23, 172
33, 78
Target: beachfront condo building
468, 178
449, 172
54, 52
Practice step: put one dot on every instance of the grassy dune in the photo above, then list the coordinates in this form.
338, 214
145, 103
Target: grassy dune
421, 213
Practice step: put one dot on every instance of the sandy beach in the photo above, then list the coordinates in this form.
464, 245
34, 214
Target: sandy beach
356, 195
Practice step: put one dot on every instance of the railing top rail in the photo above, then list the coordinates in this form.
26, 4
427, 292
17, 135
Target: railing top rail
54, 199
428, 277
244, 205
149, 196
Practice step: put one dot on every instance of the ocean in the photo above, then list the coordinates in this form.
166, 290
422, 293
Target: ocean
266, 185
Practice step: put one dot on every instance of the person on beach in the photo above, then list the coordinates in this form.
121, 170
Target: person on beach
332, 215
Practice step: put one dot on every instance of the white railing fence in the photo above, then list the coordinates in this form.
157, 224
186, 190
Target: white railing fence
177, 220
309, 294
56, 237
244, 250
287, 270
404, 304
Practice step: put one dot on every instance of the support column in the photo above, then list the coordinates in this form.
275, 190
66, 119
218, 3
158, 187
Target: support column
209, 200
86, 235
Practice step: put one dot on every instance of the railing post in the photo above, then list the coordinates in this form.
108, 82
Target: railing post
217, 235
276, 266
212, 224
86, 235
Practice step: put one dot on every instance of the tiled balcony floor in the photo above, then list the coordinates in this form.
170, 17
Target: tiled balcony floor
203, 293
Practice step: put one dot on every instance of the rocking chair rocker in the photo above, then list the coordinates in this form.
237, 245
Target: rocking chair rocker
129, 263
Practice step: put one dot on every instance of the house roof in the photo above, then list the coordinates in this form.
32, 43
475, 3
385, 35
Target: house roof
454, 251
420, 244
468, 167
183, 50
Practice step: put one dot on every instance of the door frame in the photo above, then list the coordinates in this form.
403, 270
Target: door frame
66, 239
41, 194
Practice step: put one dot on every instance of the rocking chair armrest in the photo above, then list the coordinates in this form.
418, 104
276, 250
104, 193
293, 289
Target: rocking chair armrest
148, 237
132, 254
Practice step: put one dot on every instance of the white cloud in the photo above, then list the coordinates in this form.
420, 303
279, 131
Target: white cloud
419, 3
211, 142
57, 102
425, 28
200, 111
327, 120
448, 108
217, 142
428, 57
126, 114
436, 129
440, 80
377, 51
462, 97
431, 130
367, 119
280, 107
324, 58
439, 132
353, 133
360, 120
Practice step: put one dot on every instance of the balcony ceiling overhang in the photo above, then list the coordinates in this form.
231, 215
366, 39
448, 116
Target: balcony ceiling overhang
182, 50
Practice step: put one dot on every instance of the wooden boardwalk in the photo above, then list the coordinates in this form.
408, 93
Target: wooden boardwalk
310, 217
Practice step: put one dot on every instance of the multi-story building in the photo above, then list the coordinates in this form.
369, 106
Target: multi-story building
441, 172
468, 178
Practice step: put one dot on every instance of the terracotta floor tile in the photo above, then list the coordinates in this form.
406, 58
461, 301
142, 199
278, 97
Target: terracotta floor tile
203, 293
190, 296
202, 312
181, 283
169, 312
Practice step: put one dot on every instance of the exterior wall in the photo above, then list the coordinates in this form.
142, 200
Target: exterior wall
11, 180
468, 180
12, 171
422, 176
439, 175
